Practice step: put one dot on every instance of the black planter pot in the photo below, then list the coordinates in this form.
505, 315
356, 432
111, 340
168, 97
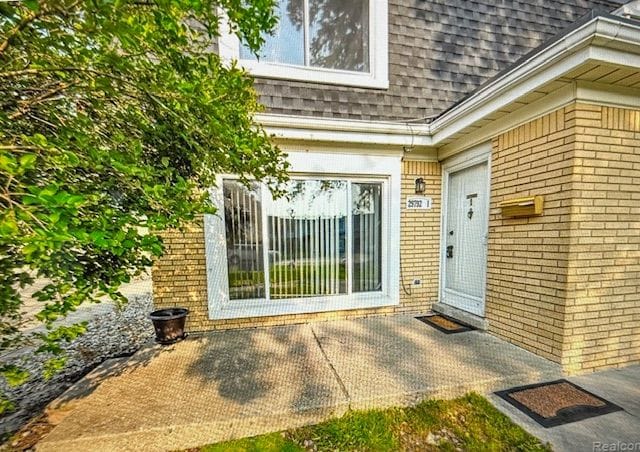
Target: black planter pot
169, 324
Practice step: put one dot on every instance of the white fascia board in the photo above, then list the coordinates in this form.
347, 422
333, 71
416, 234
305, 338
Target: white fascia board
313, 129
545, 66
575, 91
509, 96
608, 95
603, 39
614, 56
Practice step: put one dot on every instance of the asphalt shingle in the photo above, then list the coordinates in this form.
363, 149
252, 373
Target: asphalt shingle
439, 51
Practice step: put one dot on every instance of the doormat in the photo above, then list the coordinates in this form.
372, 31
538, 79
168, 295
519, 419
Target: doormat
445, 324
557, 402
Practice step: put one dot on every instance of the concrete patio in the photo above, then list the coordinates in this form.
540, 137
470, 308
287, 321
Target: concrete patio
238, 383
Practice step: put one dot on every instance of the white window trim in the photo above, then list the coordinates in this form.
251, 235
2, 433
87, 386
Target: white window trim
378, 77
309, 164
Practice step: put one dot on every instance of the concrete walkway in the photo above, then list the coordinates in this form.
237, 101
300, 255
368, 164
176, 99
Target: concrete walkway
617, 431
240, 383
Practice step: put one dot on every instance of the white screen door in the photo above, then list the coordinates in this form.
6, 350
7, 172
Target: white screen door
465, 239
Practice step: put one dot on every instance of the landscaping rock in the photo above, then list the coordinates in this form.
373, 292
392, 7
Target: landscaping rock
432, 439
111, 332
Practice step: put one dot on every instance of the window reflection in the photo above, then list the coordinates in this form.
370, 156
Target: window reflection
243, 224
367, 236
339, 34
307, 243
323, 238
286, 45
337, 30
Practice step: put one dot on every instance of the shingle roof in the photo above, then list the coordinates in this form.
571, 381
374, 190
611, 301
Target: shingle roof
439, 51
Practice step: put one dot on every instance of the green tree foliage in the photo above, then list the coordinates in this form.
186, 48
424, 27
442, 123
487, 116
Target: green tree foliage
115, 116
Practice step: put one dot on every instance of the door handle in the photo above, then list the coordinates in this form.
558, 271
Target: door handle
449, 251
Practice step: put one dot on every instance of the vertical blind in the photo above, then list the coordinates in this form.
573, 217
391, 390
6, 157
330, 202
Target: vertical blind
367, 232
307, 248
245, 251
323, 238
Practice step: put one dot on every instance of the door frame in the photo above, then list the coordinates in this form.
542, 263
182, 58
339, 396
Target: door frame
478, 154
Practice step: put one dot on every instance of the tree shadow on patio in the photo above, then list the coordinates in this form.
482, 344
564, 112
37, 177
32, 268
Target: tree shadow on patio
401, 359
107, 370
265, 369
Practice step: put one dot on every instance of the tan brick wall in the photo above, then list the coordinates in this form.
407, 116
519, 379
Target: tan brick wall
527, 257
567, 285
420, 237
603, 282
179, 277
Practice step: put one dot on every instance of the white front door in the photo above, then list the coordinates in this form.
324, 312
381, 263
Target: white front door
465, 239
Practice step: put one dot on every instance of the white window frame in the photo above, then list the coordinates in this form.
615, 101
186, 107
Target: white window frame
377, 77
355, 168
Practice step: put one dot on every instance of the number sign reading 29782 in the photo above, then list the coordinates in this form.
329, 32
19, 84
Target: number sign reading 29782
419, 202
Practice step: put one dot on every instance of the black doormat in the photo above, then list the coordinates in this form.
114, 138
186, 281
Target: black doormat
557, 402
445, 324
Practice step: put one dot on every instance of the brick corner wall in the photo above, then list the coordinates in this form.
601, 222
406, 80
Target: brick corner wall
566, 285
420, 238
602, 326
527, 258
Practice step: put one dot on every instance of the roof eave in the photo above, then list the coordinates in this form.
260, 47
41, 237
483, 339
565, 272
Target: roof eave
604, 38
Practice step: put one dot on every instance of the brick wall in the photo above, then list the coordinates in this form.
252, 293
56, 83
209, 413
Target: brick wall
566, 285
528, 257
179, 277
420, 237
603, 283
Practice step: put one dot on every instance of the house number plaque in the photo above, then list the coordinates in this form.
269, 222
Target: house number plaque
419, 203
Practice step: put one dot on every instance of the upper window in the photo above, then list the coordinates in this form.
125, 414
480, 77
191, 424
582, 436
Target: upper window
326, 41
319, 33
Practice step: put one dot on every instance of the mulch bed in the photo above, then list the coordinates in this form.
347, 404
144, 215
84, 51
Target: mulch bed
445, 324
557, 402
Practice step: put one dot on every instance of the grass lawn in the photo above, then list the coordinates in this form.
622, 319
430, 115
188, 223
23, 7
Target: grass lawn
469, 423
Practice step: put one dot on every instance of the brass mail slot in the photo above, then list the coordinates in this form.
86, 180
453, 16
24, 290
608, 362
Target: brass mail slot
522, 207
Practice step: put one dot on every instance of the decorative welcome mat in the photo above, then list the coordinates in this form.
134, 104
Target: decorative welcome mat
557, 402
445, 324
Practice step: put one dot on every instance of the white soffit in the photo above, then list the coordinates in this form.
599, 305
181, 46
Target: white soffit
604, 40
574, 91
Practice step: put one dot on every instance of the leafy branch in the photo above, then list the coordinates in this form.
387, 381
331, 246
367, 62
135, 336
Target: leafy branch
115, 118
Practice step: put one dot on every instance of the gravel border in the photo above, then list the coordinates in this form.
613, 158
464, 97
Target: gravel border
111, 332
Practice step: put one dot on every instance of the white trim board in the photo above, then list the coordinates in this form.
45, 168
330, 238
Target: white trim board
393, 138
576, 91
601, 40
324, 134
330, 130
348, 148
377, 77
609, 95
524, 114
